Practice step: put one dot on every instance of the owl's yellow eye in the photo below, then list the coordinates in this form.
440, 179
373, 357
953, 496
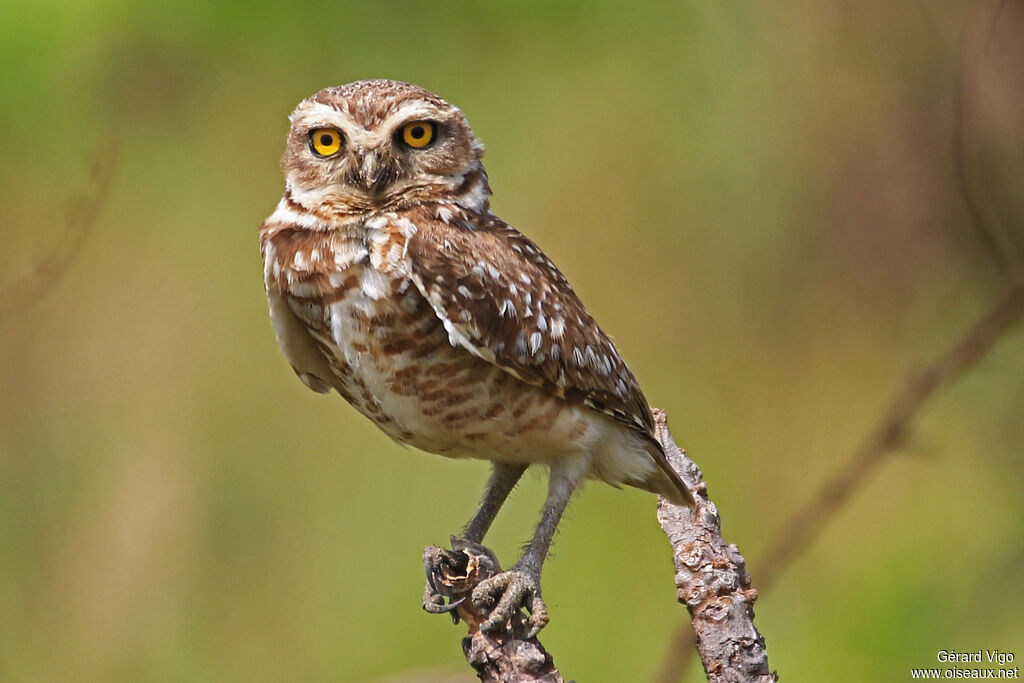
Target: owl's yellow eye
325, 141
418, 134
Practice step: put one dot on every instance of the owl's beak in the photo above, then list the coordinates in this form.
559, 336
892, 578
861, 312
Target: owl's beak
372, 175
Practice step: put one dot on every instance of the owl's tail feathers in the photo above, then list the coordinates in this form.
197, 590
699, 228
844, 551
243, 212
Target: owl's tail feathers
664, 481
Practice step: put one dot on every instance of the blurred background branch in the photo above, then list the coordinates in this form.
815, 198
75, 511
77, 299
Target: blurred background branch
985, 217
891, 432
33, 287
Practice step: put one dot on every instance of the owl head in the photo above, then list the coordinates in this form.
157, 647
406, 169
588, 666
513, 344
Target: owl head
378, 144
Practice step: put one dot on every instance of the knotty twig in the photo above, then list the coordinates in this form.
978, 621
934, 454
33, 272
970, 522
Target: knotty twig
49, 271
500, 657
711, 579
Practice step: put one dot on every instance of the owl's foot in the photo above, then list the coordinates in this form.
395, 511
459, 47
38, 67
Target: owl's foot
501, 596
495, 597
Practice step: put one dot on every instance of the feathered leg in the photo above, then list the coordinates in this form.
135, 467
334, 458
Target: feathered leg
503, 479
502, 595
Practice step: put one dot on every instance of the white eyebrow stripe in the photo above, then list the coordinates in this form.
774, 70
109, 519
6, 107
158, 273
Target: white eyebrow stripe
320, 112
415, 110
319, 115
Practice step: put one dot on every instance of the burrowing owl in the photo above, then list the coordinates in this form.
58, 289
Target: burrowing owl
392, 282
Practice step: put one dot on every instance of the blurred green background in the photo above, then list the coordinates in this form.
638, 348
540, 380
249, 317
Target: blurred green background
757, 200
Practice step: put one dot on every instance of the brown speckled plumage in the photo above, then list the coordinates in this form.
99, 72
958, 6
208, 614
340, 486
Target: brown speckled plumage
392, 282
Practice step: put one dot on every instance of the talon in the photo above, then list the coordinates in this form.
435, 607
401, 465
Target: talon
451, 607
431, 584
538, 617
505, 594
438, 607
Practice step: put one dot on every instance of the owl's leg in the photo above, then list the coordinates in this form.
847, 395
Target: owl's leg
505, 593
504, 478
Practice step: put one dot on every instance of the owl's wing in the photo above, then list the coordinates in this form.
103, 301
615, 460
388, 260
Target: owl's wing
297, 345
504, 301
292, 334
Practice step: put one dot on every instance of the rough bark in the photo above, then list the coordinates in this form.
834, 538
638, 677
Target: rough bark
711, 579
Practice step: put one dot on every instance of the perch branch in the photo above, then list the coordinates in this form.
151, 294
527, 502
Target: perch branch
711, 579
505, 657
